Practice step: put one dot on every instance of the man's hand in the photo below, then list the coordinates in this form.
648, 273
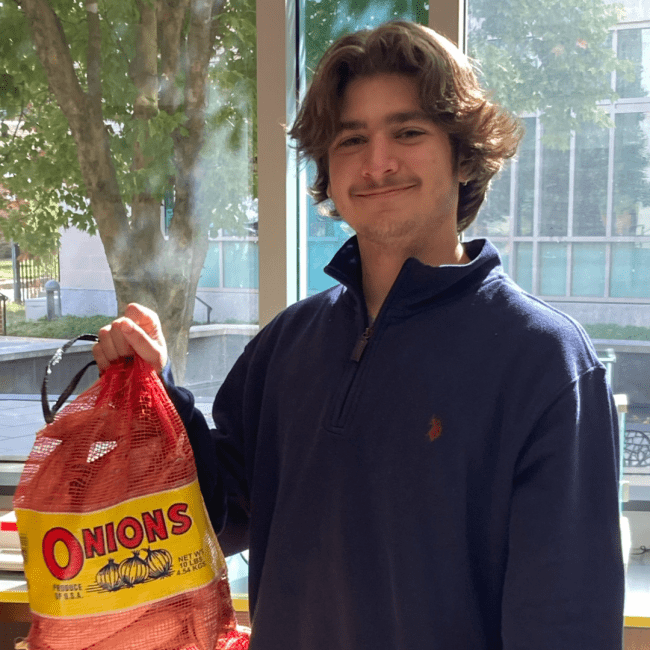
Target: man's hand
137, 332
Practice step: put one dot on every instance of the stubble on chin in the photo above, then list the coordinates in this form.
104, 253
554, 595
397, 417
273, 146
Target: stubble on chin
386, 231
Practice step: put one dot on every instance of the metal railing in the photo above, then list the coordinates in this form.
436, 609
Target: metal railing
30, 275
208, 307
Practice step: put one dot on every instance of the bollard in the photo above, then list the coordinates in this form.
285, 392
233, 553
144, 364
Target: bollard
53, 299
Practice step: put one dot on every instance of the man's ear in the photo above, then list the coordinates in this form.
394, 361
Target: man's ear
463, 173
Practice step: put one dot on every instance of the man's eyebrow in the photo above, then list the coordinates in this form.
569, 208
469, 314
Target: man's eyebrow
393, 118
407, 116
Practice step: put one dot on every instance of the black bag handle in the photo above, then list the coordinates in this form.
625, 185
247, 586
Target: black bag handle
48, 413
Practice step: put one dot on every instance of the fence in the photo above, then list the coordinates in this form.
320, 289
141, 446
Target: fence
30, 275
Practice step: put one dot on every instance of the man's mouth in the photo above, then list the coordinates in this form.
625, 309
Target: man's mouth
383, 192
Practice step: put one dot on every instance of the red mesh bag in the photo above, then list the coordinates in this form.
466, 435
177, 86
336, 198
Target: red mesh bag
118, 548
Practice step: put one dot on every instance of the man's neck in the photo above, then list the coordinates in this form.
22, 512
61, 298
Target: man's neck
381, 266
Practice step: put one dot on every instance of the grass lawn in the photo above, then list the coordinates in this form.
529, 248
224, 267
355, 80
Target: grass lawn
6, 271
66, 327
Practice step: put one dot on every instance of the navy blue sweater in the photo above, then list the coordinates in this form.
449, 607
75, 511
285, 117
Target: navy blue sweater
447, 481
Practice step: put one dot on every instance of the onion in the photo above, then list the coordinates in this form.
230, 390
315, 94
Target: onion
159, 562
133, 570
109, 577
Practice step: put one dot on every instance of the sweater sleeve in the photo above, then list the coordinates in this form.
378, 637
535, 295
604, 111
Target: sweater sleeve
564, 583
219, 457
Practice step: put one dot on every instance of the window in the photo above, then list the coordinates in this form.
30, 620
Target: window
218, 161
574, 206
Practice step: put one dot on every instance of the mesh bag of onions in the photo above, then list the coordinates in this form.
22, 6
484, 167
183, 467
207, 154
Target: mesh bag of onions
118, 549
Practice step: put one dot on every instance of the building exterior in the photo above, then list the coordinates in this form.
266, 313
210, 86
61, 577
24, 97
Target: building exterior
228, 284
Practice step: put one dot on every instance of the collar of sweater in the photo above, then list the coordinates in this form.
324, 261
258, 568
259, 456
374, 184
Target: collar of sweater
419, 283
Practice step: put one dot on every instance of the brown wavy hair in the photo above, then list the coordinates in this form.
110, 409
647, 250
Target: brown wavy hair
483, 135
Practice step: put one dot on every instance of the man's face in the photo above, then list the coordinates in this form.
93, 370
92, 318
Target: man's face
391, 170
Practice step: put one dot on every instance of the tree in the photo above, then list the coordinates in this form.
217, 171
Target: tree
105, 111
555, 59
550, 57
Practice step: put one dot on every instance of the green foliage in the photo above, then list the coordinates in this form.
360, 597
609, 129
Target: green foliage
42, 188
611, 331
6, 270
548, 56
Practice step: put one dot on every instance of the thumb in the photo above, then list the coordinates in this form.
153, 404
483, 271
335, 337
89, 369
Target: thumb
146, 318
151, 350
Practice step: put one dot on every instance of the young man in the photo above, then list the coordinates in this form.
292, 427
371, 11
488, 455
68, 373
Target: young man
424, 456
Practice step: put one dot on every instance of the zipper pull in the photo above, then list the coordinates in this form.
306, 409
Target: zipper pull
361, 344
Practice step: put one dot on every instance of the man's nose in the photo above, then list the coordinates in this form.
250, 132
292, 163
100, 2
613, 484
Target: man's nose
380, 159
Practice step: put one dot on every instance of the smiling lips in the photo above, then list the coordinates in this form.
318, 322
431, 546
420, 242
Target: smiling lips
382, 192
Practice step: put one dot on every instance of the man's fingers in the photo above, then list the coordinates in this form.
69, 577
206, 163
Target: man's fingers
143, 345
146, 318
100, 357
137, 332
112, 341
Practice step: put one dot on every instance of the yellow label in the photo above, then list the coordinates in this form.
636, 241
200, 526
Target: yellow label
138, 552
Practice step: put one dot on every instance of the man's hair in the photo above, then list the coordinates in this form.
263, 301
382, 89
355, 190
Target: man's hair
482, 134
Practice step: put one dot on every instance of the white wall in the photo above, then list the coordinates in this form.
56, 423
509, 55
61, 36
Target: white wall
86, 282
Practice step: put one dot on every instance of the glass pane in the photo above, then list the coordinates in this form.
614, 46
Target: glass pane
325, 236
211, 273
584, 209
630, 271
494, 215
588, 270
555, 193
524, 275
526, 179
553, 259
590, 188
241, 265
634, 46
325, 21
178, 112
504, 249
631, 203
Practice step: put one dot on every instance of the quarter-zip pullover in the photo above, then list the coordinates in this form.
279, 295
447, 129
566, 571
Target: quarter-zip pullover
445, 479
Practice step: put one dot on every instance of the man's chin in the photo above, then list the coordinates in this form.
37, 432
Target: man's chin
386, 232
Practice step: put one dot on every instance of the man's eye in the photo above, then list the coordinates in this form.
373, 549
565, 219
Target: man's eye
351, 141
409, 133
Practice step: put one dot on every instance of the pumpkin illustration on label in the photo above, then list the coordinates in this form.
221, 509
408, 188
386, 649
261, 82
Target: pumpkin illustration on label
134, 570
108, 577
159, 562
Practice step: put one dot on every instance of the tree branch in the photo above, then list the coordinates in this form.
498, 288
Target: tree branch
171, 16
54, 54
86, 124
145, 64
199, 47
93, 64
